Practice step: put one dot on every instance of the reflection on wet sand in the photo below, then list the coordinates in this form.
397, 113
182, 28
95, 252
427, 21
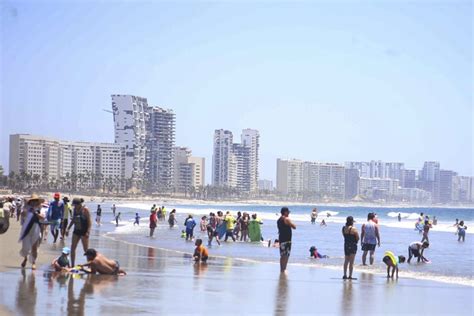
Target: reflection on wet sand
347, 298
200, 269
26, 293
281, 299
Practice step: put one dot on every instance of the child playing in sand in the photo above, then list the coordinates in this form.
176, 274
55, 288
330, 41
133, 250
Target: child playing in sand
416, 250
62, 262
200, 253
392, 263
183, 234
323, 223
313, 252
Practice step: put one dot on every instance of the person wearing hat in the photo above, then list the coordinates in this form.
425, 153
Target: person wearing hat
55, 215
351, 238
30, 236
81, 220
65, 219
62, 262
285, 225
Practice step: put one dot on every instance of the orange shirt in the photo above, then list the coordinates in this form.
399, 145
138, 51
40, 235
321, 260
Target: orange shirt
202, 250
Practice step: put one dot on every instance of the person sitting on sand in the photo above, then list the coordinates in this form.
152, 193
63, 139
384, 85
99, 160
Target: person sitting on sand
62, 262
313, 253
200, 252
323, 223
461, 231
392, 263
416, 250
98, 263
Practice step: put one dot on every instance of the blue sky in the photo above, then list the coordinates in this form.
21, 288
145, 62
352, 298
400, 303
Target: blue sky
323, 81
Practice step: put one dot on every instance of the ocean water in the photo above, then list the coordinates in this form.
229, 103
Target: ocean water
451, 261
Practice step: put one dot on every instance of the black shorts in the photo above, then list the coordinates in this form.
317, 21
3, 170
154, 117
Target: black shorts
350, 249
285, 249
414, 252
368, 247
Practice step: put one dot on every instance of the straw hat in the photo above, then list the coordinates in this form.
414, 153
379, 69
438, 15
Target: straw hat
34, 197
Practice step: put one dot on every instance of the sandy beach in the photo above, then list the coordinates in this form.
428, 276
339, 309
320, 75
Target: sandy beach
168, 283
10, 258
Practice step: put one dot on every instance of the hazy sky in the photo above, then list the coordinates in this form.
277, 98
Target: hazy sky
323, 81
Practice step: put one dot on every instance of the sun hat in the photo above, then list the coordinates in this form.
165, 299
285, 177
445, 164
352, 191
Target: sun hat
34, 197
66, 250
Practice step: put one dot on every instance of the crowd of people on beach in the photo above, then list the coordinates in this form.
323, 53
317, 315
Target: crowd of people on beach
63, 216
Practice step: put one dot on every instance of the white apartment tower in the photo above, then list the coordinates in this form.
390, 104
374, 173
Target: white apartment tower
289, 176
251, 139
130, 116
222, 159
236, 165
160, 139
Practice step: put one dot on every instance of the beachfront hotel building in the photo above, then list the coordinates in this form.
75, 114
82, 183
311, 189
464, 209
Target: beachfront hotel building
148, 135
379, 188
188, 171
265, 185
160, 140
429, 179
130, 116
289, 176
235, 165
324, 180
377, 169
54, 159
351, 183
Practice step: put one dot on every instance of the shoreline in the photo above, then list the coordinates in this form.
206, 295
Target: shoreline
260, 202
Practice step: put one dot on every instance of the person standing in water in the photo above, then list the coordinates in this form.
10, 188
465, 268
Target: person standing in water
98, 215
426, 230
117, 218
81, 220
314, 216
461, 231
285, 225
137, 220
114, 209
399, 217
351, 238
172, 218
30, 236
55, 214
153, 221
370, 237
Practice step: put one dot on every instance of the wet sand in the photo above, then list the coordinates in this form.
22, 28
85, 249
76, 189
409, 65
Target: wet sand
165, 282
10, 258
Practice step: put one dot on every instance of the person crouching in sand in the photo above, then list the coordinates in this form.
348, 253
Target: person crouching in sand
62, 262
200, 252
392, 263
98, 263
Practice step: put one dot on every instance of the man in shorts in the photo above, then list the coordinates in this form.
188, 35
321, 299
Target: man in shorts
285, 225
370, 237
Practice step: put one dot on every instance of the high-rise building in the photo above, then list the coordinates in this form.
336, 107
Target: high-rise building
377, 188
236, 165
414, 195
91, 163
289, 176
462, 189
130, 117
446, 185
222, 158
324, 180
377, 169
148, 136
160, 138
408, 179
189, 171
265, 185
429, 179
351, 183
363, 167
250, 138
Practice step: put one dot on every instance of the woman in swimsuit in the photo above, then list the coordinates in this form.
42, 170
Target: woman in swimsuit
81, 220
351, 238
